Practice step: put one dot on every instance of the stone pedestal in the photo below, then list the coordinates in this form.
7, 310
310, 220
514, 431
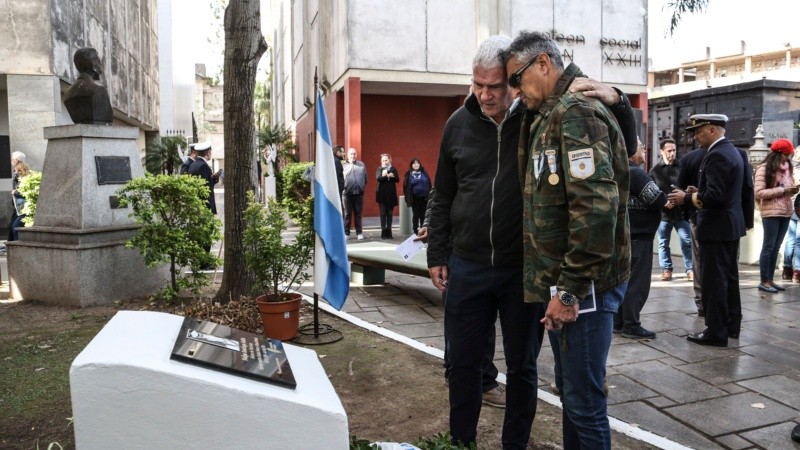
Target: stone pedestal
75, 253
126, 391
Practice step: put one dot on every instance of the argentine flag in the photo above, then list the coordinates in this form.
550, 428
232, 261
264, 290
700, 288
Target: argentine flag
331, 271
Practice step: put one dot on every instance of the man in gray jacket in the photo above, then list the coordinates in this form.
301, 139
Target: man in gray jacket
355, 180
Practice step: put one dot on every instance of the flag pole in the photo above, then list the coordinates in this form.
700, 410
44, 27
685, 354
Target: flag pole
327, 334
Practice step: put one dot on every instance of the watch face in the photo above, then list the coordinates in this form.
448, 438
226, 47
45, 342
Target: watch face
569, 299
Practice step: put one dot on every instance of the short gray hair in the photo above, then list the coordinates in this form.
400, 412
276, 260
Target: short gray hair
19, 156
530, 44
488, 54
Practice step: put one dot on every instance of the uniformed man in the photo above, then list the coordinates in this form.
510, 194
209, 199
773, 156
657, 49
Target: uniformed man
201, 169
573, 169
720, 225
189, 160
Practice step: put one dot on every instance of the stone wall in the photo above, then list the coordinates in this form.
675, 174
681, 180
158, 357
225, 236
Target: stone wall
125, 34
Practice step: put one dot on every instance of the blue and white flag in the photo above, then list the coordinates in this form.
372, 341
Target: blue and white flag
331, 271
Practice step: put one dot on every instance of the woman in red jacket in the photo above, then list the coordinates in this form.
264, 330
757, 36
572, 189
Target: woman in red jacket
774, 188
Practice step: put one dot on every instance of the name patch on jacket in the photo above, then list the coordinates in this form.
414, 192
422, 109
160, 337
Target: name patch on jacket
581, 163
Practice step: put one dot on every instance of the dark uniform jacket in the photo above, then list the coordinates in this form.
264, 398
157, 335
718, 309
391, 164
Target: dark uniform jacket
689, 176
185, 166
201, 169
719, 199
575, 217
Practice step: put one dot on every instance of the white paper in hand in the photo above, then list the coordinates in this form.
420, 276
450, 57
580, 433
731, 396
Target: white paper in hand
408, 248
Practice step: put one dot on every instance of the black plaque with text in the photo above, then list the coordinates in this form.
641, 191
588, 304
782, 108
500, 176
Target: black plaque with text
237, 352
113, 169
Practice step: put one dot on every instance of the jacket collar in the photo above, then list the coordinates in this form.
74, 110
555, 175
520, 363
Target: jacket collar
472, 106
562, 85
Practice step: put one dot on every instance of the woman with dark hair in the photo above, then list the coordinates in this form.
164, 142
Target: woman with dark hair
386, 193
416, 186
774, 188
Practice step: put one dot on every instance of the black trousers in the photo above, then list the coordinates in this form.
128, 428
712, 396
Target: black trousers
638, 290
721, 299
418, 206
386, 216
353, 204
476, 295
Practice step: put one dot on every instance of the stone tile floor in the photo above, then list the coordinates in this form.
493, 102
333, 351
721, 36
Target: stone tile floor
745, 396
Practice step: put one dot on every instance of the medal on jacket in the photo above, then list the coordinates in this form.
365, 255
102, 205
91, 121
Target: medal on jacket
551, 163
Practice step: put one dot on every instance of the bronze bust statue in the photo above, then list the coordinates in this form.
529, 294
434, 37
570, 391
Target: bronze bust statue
86, 101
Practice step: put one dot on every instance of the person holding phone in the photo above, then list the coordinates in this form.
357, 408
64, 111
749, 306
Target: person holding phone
386, 194
774, 189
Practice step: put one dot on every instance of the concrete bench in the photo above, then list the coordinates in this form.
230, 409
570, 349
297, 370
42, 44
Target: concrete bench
370, 260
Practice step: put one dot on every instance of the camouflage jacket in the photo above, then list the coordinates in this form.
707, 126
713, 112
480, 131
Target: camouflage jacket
575, 221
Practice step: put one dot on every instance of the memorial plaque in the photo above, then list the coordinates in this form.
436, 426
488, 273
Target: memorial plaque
113, 169
237, 352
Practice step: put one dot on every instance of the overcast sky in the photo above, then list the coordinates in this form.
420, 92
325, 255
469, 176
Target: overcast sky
764, 25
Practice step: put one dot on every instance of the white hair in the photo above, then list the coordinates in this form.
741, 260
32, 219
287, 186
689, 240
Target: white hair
19, 156
488, 54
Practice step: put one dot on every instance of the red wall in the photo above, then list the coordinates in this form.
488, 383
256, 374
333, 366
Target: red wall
405, 127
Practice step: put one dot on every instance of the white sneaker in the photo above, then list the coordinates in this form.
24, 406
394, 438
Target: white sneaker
360, 237
346, 237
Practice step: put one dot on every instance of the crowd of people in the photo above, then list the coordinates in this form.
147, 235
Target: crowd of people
352, 179
539, 216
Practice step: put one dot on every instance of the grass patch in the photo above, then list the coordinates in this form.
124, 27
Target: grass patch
34, 386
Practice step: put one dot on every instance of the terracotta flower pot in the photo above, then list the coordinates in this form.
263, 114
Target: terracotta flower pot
280, 318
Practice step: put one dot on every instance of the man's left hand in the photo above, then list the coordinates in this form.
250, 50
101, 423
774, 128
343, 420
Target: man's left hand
558, 314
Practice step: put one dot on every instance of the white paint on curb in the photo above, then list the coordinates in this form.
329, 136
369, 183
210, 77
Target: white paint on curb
616, 424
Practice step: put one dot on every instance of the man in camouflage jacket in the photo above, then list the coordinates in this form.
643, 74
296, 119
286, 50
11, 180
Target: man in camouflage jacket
574, 176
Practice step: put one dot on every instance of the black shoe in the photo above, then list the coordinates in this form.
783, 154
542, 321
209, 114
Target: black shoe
733, 335
638, 333
796, 434
778, 286
617, 329
704, 339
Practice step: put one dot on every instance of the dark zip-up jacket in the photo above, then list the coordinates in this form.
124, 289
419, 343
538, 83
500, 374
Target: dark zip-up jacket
478, 207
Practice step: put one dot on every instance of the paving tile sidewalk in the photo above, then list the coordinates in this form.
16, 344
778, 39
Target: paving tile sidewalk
741, 397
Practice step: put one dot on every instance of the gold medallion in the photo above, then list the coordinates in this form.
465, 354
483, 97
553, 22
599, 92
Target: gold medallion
553, 179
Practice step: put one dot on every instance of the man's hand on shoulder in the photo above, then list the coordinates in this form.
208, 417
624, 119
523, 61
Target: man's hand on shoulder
593, 88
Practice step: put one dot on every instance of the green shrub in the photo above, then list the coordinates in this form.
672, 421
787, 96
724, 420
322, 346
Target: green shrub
176, 225
277, 265
295, 191
29, 188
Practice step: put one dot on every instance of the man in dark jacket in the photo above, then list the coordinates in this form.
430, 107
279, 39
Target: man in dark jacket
689, 175
475, 247
665, 174
338, 155
200, 168
644, 212
189, 160
720, 225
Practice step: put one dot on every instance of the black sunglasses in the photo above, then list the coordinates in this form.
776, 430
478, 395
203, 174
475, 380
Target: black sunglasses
516, 77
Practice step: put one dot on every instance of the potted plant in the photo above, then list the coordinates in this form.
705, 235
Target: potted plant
278, 264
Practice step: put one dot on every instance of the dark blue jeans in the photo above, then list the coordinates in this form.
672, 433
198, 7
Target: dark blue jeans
774, 232
476, 293
580, 351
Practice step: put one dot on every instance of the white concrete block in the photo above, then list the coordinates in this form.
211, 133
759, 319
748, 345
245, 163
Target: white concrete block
127, 392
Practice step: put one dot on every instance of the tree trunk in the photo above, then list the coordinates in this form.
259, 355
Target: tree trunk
244, 46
